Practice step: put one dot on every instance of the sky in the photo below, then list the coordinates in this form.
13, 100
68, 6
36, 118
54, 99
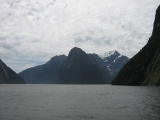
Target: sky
33, 31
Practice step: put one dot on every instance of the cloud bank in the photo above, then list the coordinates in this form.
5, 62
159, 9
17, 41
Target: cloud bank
33, 31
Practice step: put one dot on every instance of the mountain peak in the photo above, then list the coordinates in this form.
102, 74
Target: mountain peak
57, 57
116, 53
76, 52
110, 53
158, 13
76, 49
82, 68
156, 26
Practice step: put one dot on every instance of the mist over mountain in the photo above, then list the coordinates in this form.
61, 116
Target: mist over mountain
8, 76
144, 67
76, 68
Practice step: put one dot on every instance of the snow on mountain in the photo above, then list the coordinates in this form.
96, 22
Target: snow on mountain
109, 53
114, 61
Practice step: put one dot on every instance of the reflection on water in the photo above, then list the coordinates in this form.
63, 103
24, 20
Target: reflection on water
79, 102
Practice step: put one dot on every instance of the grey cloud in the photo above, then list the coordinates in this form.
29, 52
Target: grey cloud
32, 31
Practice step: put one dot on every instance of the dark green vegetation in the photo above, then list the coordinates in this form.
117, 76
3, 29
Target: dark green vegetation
8, 76
144, 67
76, 68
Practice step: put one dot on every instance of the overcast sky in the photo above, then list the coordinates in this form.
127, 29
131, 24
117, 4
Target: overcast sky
33, 31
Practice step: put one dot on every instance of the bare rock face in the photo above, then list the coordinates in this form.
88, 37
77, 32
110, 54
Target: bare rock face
8, 76
153, 71
143, 68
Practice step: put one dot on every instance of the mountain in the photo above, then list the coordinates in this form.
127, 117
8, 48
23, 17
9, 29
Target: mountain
144, 67
44, 74
8, 76
82, 68
114, 61
76, 68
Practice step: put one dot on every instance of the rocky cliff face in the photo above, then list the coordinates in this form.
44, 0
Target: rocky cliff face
8, 76
144, 67
153, 71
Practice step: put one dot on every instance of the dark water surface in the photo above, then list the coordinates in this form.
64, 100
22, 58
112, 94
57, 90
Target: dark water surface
79, 102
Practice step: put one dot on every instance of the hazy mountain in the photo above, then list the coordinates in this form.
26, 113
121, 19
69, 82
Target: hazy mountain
46, 73
144, 67
114, 61
8, 76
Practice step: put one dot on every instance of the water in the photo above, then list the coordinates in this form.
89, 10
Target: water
79, 102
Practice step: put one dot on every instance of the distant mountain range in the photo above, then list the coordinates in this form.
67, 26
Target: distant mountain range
82, 68
8, 76
144, 67
76, 68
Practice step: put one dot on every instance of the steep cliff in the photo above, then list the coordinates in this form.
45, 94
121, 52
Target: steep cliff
144, 67
153, 71
8, 76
